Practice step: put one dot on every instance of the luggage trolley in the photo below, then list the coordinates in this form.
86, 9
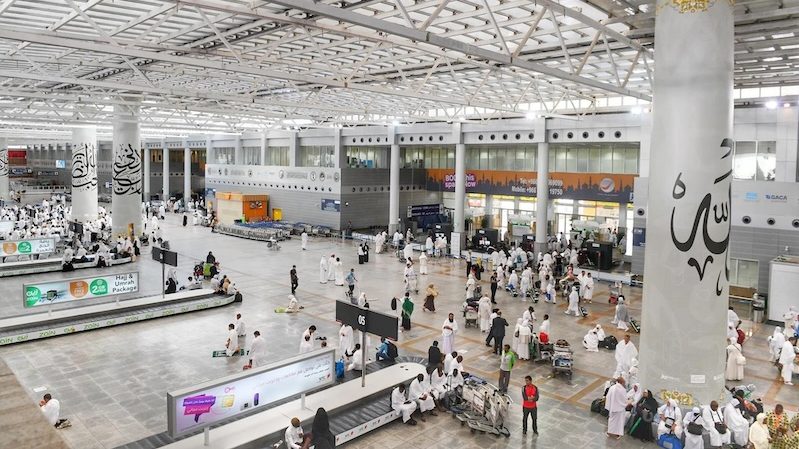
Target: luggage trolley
488, 409
562, 358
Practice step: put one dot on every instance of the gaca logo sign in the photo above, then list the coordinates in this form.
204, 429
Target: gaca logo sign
776, 197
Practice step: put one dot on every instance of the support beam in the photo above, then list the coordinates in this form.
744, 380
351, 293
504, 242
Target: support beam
126, 174
542, 198
460, 189
385, 26
186, 177
147, 155
4, 170
165, 172
84, 174
393, 190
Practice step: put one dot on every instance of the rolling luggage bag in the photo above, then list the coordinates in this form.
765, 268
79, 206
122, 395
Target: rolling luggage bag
583, 311
635, 325
669, 441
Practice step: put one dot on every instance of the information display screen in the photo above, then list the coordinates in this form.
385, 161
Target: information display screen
66, 290
197, 407
28, 247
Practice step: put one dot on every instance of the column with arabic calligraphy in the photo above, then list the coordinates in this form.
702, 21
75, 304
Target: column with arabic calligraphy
4, 189
84, 174
126, 173
686, 287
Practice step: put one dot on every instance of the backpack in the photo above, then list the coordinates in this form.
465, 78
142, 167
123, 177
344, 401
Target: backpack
669, 441
238, 297
393, 303
610, 342
392, 351
741, 337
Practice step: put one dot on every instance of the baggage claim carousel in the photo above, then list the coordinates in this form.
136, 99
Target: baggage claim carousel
22, 328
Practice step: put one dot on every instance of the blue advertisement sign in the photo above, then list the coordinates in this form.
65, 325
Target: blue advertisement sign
331, 205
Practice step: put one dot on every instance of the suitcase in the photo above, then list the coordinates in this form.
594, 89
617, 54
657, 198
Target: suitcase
635, 325
340, 369
583, 311
669, 441
613, 300
610, 342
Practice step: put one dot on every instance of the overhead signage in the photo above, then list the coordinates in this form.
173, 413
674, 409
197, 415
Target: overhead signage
60, 163
28, 247
367, 320
47, 173
203, 405
331, 205
66, 290
21, 171
161, 255
422, 210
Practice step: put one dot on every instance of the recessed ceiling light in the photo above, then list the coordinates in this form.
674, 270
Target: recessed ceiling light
771, 104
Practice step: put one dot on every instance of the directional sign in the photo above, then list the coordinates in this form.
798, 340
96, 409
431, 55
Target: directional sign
367, 320
161, 255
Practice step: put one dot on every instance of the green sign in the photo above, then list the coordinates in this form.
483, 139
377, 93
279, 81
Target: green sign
46, 293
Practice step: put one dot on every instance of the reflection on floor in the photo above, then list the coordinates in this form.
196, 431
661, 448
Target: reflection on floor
112, 382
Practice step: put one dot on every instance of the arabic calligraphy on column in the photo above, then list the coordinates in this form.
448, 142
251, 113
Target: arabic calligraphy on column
127, 171
84, 167
4, 162
720, 207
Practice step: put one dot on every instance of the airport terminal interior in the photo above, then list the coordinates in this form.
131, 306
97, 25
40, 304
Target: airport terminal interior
608, 187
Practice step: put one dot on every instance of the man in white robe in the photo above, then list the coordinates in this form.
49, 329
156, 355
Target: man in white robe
484, 313
428, 246
710, 416
448, 331
306, 345
574, 302
525, 336
591, 341
775, 342
422, 264
257, 350
736, 423
407, 252
787, 356
470, 285
331, 267
418, 392
346, 344
438, 383
304, 240
400, 403
323, 278
616, 405
232, 342
671, 415
625, 353
588, 288
693, 441
294, 305
338, 272
294, 434
449, 359
357, 361
240, 326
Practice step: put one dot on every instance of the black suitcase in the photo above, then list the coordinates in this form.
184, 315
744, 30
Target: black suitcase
610, 342
583, 311
635, 325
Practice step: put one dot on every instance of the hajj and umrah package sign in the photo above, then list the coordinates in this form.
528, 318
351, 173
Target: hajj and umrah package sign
67, 290
28, 247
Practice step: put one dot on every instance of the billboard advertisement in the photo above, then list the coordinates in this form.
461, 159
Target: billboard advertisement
200, 406
66, 290
28, 247
610, 187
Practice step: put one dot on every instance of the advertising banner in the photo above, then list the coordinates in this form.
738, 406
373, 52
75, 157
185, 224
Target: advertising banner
201, 406
28, 247
579, 186
66, 290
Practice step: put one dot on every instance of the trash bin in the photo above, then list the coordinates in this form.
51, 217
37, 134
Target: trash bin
758, 310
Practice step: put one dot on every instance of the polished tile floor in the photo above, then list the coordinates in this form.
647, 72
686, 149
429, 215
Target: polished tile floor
112, 382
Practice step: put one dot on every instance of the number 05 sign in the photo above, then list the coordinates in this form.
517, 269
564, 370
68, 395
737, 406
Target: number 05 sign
66, 290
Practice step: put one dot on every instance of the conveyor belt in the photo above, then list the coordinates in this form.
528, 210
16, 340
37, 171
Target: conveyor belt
340, 421
89, 321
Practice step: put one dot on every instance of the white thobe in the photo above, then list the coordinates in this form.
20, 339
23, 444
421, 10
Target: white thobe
448, 362
293, 437
523, 347
574, 303
588, 293
428, 244
625, 353
304, 239
357, 360
484, 313
418, 392
693, 441
591, 341
339, 273
331, 268
734, 370
674, 412
470, 283
52, 410
616, 405
306, 346
438, 384
422, 264
401, 404
544, 327
787, 356
709, 418
408, 251
775, 342
448, 335
232, 343
323, 271
241, 328
345, 341
258, 351
736, 423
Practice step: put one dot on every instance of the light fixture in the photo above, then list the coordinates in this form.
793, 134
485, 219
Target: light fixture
637, 110
531, 116
395, 123
786, 105
771, 104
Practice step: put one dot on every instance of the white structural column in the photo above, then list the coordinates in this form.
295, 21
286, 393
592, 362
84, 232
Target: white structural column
84, 174
4, 189
460, 187
393, 189
238, 155
623, 218
542, 198
684, 318
147, 157
126, 172
186, 175
165, 170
